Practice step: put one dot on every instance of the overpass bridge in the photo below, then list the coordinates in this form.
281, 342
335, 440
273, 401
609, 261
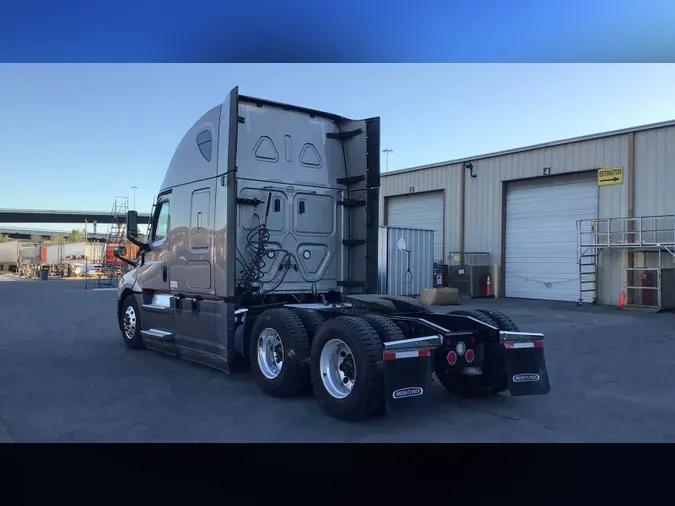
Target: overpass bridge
60, 216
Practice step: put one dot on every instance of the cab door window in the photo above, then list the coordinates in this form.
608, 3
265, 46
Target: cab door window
160, 229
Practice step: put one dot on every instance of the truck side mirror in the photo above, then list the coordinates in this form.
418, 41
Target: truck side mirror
132, 224
132, 232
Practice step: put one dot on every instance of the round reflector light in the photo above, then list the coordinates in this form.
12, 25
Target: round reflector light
460, 348
452, 358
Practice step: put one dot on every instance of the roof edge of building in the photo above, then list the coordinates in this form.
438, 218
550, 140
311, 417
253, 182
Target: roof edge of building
611, 133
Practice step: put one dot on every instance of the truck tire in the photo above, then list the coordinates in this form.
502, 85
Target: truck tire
475, 314
346, 368
484, 385
502, 321
385, 327
404, 327
494, 358
311, 320
279, 351
130, 324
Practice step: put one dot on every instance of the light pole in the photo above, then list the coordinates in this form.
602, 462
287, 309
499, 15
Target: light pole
386, 152
134, 188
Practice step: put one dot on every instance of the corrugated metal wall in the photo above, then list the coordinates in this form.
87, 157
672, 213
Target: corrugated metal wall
405, 272
655, 176
483, 219
446, 178
425, 210
655, 172
484, 194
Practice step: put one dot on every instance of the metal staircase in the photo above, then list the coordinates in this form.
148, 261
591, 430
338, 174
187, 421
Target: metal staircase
588, 275
111, 267
643, 238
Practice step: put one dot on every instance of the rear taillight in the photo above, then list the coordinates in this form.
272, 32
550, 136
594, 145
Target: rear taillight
469, 356
452, 358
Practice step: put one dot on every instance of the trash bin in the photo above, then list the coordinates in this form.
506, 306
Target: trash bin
44, 275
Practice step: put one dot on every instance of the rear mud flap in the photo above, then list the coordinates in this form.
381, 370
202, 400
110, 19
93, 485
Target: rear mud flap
407, 377
526, 371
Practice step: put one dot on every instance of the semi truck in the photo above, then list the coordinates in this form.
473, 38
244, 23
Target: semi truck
262, 252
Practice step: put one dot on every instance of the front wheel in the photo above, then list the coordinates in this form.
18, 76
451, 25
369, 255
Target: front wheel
346, 368
130, 323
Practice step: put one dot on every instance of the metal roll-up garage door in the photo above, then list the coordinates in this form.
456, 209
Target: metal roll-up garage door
541, 236
421, 210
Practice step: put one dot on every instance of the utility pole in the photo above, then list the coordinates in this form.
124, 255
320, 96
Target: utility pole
134, 188
386, 152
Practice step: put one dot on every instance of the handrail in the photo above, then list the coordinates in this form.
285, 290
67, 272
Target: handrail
638, 232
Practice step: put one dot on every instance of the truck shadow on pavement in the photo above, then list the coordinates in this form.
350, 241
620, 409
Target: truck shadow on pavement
67, 377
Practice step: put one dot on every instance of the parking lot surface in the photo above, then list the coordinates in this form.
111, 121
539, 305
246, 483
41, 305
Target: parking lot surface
66, 376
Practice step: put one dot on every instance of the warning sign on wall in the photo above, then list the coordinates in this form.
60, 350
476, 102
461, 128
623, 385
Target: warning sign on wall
611, 176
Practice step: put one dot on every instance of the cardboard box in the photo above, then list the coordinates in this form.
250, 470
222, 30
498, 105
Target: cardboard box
439, 296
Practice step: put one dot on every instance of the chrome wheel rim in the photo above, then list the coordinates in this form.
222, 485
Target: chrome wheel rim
270, 353
338, 371
129, 322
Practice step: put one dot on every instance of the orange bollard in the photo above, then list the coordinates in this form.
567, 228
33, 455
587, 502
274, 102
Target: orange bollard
488, 288
622, 300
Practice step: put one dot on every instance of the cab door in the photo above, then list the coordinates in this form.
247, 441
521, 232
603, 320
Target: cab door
157, 310
196, 304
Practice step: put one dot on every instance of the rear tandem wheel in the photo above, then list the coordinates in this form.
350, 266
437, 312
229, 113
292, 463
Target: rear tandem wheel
311, 320
385, 327
502, 321
279, 351
346, 368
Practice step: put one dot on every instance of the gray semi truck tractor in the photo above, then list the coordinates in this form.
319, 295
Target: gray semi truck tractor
262, 250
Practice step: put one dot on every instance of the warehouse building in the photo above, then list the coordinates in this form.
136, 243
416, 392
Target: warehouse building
523, 207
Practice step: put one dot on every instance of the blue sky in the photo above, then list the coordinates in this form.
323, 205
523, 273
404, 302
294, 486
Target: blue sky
75, 136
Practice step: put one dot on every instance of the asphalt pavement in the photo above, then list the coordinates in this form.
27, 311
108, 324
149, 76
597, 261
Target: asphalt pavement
66, 376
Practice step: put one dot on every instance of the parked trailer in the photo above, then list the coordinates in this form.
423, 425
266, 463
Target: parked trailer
264, 248
53, 262
68, 259
9, 252
80, 251
9, 255
29, 259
